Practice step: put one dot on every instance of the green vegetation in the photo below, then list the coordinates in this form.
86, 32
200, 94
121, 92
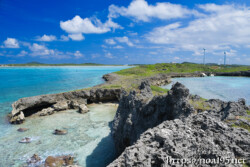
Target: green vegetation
111, 86
246, 118
242, 125
158, 90
246, 165
148, 70
200, 104
248, 112
65, 64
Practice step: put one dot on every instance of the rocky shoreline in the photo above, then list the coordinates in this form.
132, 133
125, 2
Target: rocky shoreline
148, 129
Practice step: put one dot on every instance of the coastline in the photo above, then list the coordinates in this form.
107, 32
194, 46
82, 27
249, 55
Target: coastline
130, 90
108, 91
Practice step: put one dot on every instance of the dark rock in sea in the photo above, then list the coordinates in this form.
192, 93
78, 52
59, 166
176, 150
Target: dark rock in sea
25, 140
22, 129
200, 136
60, 132
48, 104
137, 113
59, 161
35, 159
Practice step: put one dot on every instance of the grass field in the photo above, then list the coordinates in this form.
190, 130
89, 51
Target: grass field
148, 70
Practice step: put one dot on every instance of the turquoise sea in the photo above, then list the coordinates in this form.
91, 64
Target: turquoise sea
218, 87
86, 131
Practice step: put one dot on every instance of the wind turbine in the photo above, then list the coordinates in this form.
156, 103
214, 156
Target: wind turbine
204, 57
225, 58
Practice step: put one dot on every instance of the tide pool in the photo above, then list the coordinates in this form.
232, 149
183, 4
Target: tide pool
18, 82
224, 88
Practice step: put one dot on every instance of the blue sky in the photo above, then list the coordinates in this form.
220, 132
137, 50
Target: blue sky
124, 32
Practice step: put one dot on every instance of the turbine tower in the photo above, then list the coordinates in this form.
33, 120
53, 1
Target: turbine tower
225, 58
204, 57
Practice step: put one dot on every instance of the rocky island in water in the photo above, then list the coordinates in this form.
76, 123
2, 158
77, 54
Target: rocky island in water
154, 126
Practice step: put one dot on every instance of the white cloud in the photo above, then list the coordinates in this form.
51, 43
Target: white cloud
110, 41
22, 53
11, 43
93, 56
87, 26
76, 37
40, 50
142, 11
64, 38
118, 47
115, 40
46, 38
124, 39
78, 54
223, 27
109, 55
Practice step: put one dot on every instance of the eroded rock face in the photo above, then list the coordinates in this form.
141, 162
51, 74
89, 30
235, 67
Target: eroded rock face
136, 112
200, 136
227, 110
48, 104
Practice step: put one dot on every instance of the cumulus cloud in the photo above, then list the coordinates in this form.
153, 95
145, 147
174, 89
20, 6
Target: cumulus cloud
110, 41
64, 38
22, 53
118, 47
109, 55
40, 50
140, 10
223, 27
78, 54
124, 39
115, 40
76, 37
78, 26
11, 43
46, 38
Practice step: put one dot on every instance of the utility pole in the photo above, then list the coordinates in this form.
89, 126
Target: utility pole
225, 58
204, 57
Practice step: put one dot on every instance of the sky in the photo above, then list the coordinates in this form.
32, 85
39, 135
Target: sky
124, 31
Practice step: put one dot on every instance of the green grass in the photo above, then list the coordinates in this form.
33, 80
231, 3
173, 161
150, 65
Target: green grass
200, 104
111, 86
248, 112
242, 125
246, 118
65, 64
157, 90
148, 70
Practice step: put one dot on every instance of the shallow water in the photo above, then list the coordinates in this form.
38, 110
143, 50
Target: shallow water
18, 82
88, 137
224, 88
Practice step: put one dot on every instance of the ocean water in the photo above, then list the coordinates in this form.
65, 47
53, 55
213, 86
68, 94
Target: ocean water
86, 131
224, 88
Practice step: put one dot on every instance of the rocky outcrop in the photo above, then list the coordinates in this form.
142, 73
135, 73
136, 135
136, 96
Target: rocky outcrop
139, 111
200, 137
158, 80
48, 104
227, 110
